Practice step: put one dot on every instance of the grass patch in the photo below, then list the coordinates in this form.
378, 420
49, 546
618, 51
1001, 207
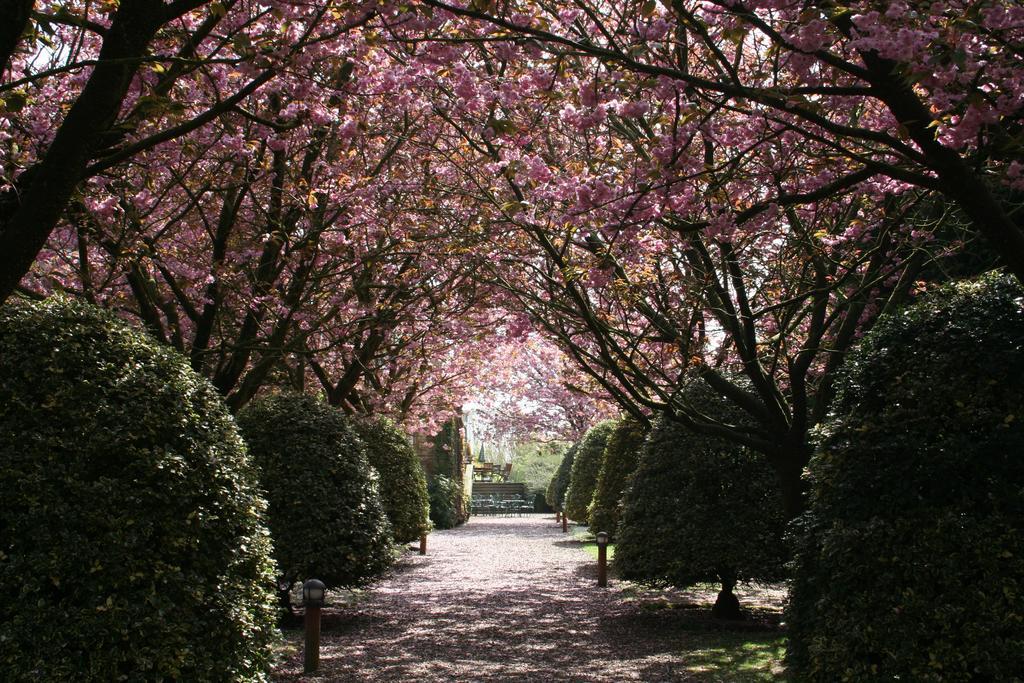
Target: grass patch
588, 544
740, 657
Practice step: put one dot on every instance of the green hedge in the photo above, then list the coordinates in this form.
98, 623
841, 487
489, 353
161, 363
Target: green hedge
132, 544
910, 564
446, 496
325, 511
584, 471
620, 459
697, 510
448, 456
403, 486
555, 494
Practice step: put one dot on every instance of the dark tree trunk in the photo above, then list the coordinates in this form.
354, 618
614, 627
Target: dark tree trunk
29, 220
789, 461
16, 14
727, 605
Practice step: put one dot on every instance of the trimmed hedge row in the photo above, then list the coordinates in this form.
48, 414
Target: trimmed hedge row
699, 509
445, 494
325, 509
403, 485
448, 499
585, 468
910, 559
132, 543
620, 460
555, 494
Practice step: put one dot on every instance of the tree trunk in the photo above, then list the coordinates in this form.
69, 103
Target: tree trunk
727, 605
48, 186
16, 13
789, 460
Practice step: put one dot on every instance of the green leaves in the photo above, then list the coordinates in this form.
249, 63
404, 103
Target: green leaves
325, 511
910, 556
697, 506
403, 485
125, 489
585, 467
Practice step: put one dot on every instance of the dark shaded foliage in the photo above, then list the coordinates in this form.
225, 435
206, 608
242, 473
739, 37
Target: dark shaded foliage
132, 543
585, 468
910, 559
700, 509
325, 511
555, 494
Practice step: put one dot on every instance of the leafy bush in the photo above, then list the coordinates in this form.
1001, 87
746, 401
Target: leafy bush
325, 512
448, 456
910, 564
403, 486
555, 494
700, 509
620, 459
445, 494
131, 536
535, 463
584, 470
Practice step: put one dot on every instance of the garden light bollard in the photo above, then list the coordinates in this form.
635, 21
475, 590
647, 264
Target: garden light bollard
565, 523
423, 544
313, 599
602, 559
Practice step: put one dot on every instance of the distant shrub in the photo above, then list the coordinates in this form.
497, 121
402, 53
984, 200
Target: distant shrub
540, 504
555, 494
534, 464
325, 510
910, 564
585, 467
620, 459
697, 510
445, 494
449, 453
132, 544
403, 485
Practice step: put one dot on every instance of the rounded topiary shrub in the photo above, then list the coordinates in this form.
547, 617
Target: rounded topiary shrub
585, 467
620, 459
325, 511
910, 564
403, 485
132, 544
444, 493
699, 509
555, 494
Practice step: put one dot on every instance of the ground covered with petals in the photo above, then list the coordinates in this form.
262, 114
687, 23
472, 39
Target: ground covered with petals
514, 599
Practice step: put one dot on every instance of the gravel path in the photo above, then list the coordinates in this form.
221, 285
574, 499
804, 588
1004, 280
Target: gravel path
503, 599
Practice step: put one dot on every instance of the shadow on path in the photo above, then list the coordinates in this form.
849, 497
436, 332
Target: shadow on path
509, 599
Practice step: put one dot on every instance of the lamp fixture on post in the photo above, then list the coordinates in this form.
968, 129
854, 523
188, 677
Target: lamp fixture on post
602, 559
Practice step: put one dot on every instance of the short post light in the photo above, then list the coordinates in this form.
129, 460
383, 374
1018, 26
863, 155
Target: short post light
602, 559
423, 543
558, 516
565, 522
313, 591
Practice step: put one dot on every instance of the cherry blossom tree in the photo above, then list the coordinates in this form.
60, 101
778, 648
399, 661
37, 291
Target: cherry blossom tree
88, 86
926, 94
660, 236
529, 390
